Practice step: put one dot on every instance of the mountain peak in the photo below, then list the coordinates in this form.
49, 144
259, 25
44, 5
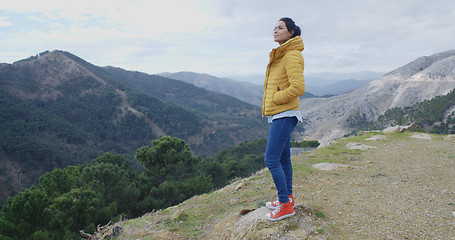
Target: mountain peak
424, 63
44, 72
41, 56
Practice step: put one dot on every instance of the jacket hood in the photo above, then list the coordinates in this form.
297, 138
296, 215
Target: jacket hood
295, 43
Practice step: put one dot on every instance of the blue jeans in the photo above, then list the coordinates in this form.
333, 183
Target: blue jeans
278, 155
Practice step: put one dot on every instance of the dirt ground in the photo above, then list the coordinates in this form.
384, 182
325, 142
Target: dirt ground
398, 188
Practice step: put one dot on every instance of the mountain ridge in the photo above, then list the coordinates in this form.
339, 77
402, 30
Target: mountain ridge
424, 63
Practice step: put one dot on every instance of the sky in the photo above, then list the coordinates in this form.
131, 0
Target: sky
227, 37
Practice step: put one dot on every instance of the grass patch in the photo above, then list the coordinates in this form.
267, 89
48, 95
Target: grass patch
302, 169
401, 136
337, 153
187, 224
319, 213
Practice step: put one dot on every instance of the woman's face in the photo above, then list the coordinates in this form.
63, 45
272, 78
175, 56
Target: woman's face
281, 33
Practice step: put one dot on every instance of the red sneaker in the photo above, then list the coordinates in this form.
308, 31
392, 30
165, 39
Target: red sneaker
272, 205
282, 211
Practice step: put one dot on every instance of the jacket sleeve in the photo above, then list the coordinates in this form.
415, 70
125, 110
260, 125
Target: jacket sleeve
294, 70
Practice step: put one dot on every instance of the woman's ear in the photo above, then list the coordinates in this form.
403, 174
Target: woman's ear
292, 33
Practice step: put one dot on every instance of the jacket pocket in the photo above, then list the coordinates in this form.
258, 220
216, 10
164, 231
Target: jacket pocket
278, 96
282, 86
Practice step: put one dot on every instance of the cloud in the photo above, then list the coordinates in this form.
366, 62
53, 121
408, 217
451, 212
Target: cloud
222, 37
4, 22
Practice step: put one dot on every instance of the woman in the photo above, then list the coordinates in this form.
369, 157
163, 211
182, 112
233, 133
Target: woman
283, 85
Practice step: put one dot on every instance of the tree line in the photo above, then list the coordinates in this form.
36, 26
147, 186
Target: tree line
431, 115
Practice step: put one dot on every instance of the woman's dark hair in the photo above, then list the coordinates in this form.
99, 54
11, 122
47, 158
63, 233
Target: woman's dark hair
290, 24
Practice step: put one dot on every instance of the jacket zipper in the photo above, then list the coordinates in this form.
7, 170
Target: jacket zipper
267, 82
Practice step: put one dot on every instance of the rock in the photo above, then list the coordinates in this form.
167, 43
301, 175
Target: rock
410, 127
421, 136
254, 225
360, 146
393, 129
376, 137
239, 186
328, 166
179, 215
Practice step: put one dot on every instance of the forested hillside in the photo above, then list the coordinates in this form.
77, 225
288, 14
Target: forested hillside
58, 110
81, 197
227, 121
436, 116
154, 141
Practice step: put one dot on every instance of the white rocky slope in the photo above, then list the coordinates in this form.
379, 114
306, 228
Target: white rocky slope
422, 79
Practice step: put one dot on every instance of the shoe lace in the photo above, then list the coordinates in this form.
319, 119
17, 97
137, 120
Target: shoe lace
277, 209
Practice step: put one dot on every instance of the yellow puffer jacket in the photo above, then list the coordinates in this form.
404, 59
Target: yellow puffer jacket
284, 82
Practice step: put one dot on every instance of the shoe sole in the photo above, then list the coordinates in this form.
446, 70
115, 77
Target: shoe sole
280, 218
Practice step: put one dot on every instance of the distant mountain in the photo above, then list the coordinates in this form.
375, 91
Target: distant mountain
329, 84
257, 79
325, 83
422, 79
337, 87
56, 109
243, 90
317, 79
329, 76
